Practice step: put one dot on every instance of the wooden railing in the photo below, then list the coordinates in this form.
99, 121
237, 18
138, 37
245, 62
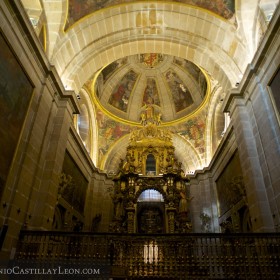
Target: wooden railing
172, 256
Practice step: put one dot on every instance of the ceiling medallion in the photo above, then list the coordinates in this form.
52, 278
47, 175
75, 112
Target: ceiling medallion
151, 60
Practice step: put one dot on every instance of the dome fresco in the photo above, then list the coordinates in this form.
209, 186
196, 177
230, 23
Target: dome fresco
178, 90
174, 86
113, 55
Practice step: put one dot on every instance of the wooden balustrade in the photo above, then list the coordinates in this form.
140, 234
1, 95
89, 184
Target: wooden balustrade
164, 256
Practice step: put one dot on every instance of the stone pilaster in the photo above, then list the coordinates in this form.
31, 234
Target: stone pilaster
44, 196
102, 207
204, 202
250, 162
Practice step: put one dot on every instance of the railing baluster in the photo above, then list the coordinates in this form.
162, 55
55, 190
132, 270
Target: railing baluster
182, 256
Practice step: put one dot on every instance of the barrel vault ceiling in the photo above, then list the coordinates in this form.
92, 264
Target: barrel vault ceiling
182, 56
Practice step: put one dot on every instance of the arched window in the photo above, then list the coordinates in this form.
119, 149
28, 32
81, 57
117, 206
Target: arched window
150, 196
150, 165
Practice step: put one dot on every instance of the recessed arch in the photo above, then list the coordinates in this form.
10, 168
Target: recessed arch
84, 52
150, 195
155, 188
85, 99
187, 154
213, 63
150, 164
111, 160
215, 117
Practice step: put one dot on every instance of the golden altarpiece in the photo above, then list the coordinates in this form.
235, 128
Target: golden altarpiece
150, 165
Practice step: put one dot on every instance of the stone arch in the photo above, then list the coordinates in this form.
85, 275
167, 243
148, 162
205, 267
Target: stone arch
93, 126
187, 154
217, 127
55, 17
215, 118
184, 152
156, 188
118, 151
213, 63
249, 21
86, 53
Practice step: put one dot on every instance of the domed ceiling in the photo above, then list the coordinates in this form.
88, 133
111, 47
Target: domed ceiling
178, 90
82, 36
174, 86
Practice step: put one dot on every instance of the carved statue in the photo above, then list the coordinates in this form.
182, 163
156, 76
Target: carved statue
126, 165
143, 119
149, 116
119, 212
205, 222
149, 109
118, 199
183, 204
158, 119
78, 226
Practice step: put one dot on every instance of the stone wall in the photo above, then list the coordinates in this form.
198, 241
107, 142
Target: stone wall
254, 131
30, 191
256, 126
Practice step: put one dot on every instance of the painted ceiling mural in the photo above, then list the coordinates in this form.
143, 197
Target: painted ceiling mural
175, 85
193, 130
151, 95
151, 60
195, 72
112, 67
109, 131
77, 9
121, 94
157, 74
180, 93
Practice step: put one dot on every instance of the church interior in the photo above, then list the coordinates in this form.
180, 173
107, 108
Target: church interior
141, 136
